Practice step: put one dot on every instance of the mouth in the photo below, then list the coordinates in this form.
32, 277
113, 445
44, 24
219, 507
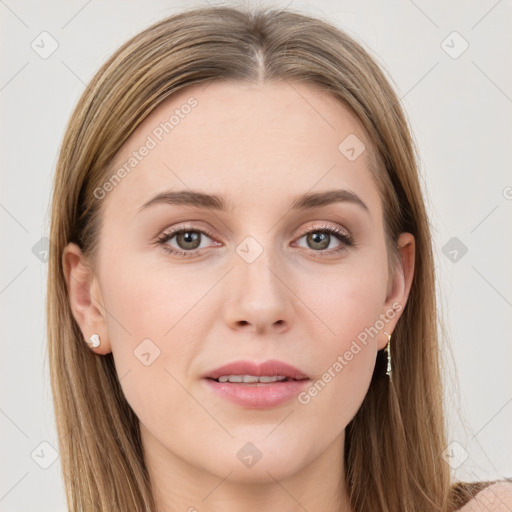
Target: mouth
252, 380
257, 386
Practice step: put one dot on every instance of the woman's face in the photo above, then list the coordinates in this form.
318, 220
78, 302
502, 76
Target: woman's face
261, 279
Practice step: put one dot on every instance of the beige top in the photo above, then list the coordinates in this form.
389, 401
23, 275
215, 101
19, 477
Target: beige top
494, 498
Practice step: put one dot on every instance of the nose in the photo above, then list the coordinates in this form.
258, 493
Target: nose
258, 297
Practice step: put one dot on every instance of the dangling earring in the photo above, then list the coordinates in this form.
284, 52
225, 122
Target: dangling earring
388, 352
94, 341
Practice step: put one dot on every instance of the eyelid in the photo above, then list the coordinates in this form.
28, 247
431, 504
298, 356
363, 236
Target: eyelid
323, 225
185, 227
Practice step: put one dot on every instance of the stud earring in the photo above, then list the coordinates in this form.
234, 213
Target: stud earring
94, 341
388, 352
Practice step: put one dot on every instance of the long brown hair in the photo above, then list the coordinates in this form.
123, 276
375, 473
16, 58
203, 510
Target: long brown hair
394, 444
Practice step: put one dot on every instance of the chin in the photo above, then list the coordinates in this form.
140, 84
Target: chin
262, 472
259, 461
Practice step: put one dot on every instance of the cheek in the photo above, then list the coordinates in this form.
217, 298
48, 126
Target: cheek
347, 306
345, 356
148, 301
344, 302
152, 322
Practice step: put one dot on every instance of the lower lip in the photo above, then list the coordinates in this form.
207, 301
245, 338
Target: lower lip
258, 396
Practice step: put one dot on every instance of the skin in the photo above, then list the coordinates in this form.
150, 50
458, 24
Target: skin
259, 146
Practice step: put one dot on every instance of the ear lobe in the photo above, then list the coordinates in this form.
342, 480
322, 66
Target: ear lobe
84, 295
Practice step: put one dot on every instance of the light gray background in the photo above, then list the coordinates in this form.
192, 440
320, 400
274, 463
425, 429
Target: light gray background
460, 110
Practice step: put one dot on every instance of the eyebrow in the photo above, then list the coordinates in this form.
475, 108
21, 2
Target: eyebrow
306, 201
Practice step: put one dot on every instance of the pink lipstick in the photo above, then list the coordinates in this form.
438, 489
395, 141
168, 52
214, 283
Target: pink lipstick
257, 386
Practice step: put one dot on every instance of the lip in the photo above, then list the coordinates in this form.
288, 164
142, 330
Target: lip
267, 368
258, 395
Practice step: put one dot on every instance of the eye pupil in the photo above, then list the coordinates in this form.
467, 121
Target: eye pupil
188, 239
321, 238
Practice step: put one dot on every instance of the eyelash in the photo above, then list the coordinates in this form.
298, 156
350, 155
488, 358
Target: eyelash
346, 239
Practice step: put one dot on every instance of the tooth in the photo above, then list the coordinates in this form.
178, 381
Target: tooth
250, 378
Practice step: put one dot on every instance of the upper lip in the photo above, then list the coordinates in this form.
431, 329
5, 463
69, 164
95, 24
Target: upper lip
268, 368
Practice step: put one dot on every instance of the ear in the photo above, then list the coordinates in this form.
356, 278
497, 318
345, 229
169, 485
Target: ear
399, 285
85, 296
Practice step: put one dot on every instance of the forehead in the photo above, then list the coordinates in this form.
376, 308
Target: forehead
245, 142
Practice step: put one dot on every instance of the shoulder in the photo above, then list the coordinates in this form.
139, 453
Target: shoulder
496, 497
